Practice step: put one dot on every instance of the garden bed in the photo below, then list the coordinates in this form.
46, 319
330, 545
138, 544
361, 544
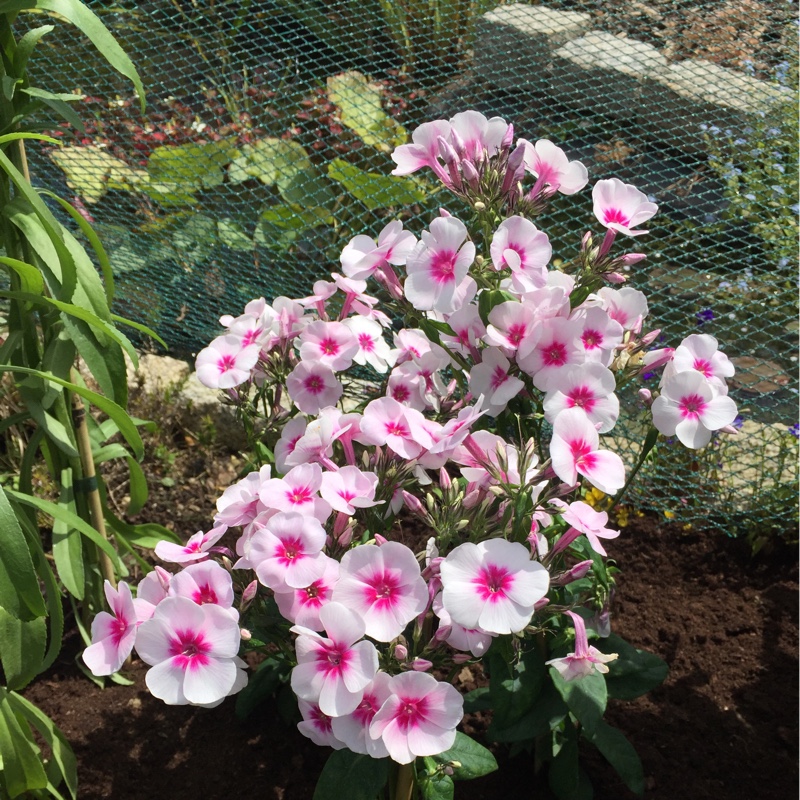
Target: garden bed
723, 725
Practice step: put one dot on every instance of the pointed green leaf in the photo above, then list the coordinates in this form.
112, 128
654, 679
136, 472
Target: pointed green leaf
20, 595
619, 752
67, 545
373, 189
22, 648
22, 765
364, 777
467, 758
585, 697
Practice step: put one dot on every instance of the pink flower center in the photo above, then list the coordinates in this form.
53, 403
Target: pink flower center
396, 429
412, 712
443, 266
493, 582
704, 366
365, 342
299, 496
516, 333
290, 551
367, 709
616, 215
692, 406
313, 595
205, 594
401, 394
520, 251
582, 397
226, 362
118, 629
333, 658
582, 453
314, 384
329, 347
322, 722
382, 589
251, 336
499, 377
189, 650
591, 339
555, 355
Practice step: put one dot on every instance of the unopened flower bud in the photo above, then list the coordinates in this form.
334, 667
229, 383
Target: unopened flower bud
650, 337
448, 770
577, 572
347, 537
413, 504
540, 604
471, 175
586, 242
461, 658
472, 498
245, 634
479, 205
421, 665
646, 396
249, 592
400, 652
458, 143
615, 277
444, 479
729, 429
629, 259
508, 137
163, 577
380, 540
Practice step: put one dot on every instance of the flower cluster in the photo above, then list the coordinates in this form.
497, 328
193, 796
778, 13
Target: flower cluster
484, 420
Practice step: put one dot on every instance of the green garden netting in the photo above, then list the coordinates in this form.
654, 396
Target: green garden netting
265, 147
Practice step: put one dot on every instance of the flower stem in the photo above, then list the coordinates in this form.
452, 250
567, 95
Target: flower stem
649, 443
404, 782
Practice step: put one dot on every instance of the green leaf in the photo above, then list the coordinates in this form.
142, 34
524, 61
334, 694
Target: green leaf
90, 25
565, 776
22, 648
514, 687
190, 167
467, 758
63, 759
312, 191
361, 109
361, 776
137, 326
262, 684
269, 160
437, 787
585, 697
279, 226
146, 535
547, 713
90, 169
125, 424
20, 595
26, 46
197, 238
30, 278
68, 518
232, 234
22, 765
619, 752
67, 545
487, 300
373, 189
634, 672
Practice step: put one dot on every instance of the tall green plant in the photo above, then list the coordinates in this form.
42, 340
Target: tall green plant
58, 310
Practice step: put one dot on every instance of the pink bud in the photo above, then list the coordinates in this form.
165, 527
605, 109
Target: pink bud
249, 592
649, 338
472, 498
461, 658
586, 242
508, 137
400, 652
443, 212
629, 259
575, 574
471, 174
458, 143
379, 540
346, 537
615, 277
444, 479
245, 634
646, 396
442, 633
413, 504
539, 605
163, 577
729, 429
421, 665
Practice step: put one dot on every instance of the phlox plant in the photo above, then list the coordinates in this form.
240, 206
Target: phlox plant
470, 395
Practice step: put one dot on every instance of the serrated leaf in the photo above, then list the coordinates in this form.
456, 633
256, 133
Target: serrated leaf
269, 160
373, 189
361, 109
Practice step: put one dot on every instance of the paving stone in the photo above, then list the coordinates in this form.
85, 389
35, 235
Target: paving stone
514, 42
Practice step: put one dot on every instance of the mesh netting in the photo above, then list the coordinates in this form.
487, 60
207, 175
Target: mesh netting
265, 148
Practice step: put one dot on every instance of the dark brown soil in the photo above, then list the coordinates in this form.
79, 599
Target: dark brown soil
724, 725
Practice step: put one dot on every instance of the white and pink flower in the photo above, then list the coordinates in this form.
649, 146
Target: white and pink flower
493, 585
585, 659
226, 362
113, 635
621, 207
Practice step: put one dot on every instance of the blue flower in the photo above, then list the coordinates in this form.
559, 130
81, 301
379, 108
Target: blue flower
706, 315
738, 422
795, 430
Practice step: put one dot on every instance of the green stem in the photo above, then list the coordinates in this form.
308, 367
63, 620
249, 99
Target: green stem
649, 443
